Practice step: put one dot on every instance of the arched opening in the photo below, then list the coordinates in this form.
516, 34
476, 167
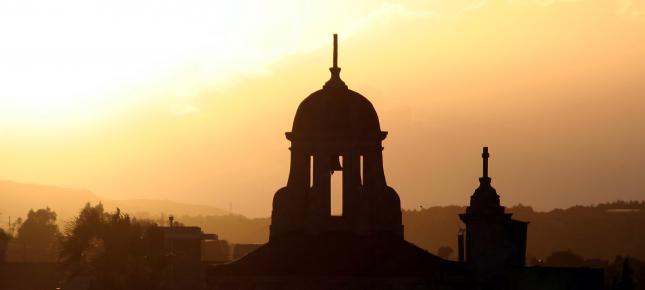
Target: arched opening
311, 171
360, 170
336, 188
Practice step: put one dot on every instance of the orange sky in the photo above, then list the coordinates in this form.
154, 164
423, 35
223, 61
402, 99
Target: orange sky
189, 101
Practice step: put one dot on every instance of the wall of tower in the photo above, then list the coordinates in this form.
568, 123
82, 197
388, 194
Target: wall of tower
369, 205
495, 242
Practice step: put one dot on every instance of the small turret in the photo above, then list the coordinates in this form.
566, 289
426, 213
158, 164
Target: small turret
494, 241
336, 130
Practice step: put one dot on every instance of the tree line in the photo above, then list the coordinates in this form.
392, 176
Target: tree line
111, 249
117, 251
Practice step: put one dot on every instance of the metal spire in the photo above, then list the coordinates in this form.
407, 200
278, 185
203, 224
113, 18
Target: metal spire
485, 156
335, 81
335, 50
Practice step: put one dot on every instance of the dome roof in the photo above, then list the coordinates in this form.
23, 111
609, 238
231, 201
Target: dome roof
336, 111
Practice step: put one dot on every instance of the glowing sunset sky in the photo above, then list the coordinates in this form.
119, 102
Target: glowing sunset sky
189, 100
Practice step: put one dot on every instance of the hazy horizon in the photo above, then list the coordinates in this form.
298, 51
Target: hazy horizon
184, 103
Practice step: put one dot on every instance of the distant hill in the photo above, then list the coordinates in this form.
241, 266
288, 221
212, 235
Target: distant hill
152, 208
598, 232
17, 198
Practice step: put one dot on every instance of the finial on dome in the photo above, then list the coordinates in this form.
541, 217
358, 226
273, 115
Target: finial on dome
485, 157
335, 50
335, 81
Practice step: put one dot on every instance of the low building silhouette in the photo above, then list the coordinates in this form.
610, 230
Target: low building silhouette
182, 246
216, 251
240, 250
337, 131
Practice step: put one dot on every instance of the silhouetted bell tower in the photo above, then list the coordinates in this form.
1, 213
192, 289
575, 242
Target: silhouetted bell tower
336, 129
494, 241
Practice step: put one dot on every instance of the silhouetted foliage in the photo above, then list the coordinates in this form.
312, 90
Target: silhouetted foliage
621, 273
38, 235
564, 259
583, 229
113, 249
4, 241
15, 225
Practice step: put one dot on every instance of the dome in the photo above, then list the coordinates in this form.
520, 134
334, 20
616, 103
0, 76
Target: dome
336, 111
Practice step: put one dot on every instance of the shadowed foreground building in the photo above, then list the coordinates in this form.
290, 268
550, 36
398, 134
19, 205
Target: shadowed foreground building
337, 131
183, 248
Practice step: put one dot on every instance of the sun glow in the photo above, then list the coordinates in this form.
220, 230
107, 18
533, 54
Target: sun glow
187, 99
72, 61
